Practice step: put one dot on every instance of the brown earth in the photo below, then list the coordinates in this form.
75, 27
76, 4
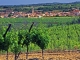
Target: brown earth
47, 56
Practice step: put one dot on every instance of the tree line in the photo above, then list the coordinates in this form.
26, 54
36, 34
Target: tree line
44, 7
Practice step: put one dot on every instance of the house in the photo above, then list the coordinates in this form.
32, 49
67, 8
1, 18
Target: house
76, 12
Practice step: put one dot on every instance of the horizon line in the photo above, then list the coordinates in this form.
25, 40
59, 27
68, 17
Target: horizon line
40, 3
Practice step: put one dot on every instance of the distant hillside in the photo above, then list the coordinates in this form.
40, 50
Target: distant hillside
43, 7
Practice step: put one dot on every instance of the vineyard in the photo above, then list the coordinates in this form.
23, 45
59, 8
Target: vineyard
56, 34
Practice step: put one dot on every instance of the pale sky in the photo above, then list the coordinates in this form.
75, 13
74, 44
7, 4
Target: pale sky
24, 2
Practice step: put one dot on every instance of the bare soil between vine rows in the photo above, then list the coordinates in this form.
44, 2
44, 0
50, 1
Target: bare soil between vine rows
47, 56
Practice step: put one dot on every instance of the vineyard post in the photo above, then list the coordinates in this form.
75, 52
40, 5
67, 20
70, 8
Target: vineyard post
28, 40
4, 36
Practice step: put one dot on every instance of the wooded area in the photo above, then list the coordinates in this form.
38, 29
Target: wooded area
44, 7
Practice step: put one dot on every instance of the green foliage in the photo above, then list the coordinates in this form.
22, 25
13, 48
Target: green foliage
17, 22
21, 37
40, 38
55, 37
44, 7
27, 39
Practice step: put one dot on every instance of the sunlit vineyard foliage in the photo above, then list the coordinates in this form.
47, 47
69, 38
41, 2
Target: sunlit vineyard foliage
60, 36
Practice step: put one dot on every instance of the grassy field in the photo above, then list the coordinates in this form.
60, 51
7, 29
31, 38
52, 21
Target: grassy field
23, 22
43, 19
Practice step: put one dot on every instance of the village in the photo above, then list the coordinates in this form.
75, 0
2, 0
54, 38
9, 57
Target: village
38, 14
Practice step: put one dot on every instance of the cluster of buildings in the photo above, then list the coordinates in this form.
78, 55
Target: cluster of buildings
16, 14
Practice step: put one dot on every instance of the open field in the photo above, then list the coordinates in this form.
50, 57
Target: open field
47, 56
43, 19
18, 23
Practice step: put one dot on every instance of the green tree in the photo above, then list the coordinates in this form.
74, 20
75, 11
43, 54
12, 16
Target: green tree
6, 42
1, 42
41, 38
21, 38
27, 39
15, 47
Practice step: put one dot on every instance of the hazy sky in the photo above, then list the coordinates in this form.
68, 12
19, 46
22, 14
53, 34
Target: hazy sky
21, 2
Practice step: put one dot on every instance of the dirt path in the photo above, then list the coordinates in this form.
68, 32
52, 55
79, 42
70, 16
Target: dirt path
47, 56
